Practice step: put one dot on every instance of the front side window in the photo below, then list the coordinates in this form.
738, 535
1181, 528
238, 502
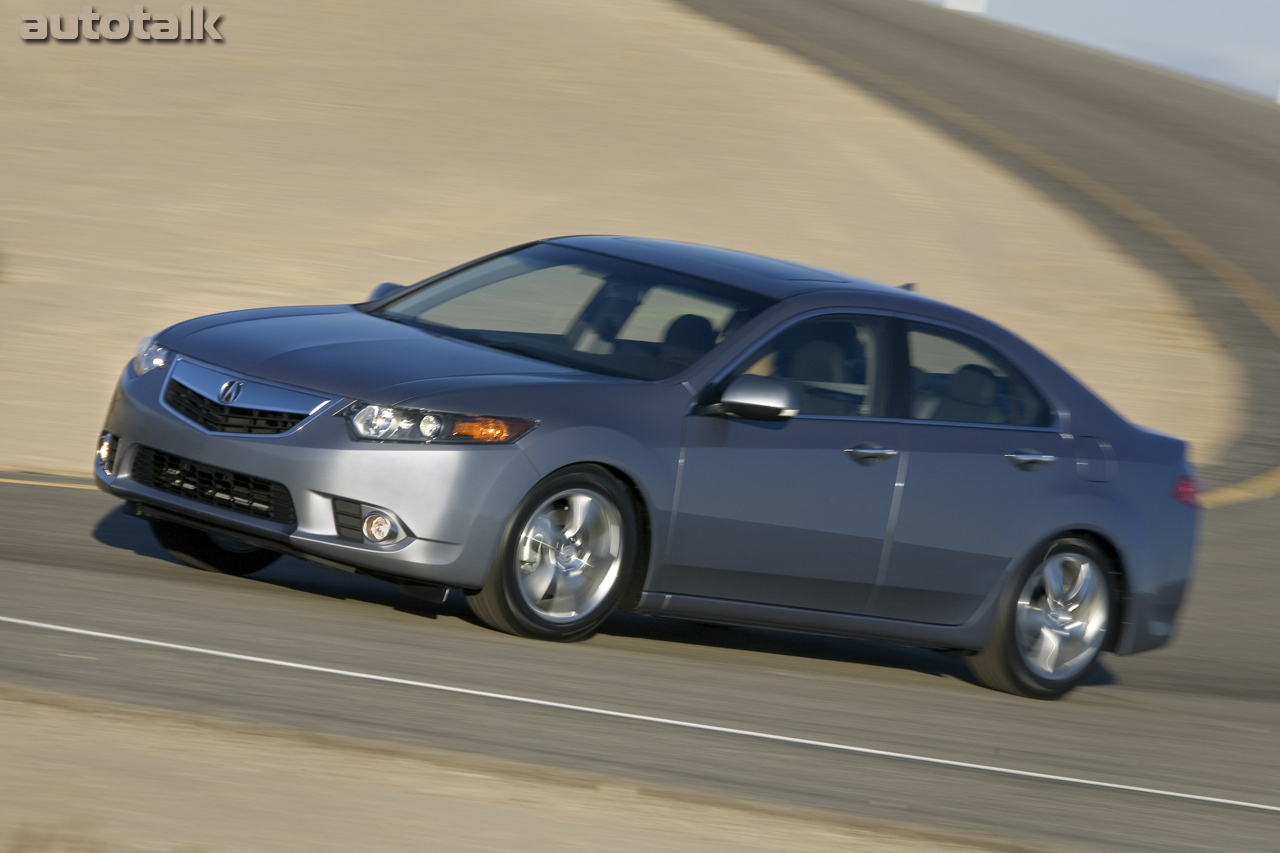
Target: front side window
832, 361
584, 310
955, 378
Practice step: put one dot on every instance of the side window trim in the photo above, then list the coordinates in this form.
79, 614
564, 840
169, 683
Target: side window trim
898, 404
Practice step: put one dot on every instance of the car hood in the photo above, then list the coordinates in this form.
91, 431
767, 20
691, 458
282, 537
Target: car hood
342, 351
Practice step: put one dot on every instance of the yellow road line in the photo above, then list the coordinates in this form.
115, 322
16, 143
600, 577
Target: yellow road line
1229, 274
47, 483
1264, 485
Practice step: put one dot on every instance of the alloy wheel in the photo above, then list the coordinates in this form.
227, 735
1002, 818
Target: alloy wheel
1061, 616
569, 555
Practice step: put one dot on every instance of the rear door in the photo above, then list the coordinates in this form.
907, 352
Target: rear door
982, 465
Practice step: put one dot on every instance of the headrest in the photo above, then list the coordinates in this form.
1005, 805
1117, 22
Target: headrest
818, 361
691, 332
972, 384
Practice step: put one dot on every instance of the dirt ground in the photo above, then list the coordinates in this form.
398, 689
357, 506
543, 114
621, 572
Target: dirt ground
326, 146
82, 776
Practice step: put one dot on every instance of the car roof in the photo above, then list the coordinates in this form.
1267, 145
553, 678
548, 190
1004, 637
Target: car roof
767, 276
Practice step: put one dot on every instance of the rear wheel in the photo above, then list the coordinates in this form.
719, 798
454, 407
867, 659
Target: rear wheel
567, 556
210, 552
1053, 623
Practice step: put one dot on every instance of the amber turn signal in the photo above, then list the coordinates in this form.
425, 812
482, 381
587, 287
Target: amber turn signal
490, 429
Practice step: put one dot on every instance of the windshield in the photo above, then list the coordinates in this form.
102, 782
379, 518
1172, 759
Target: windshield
584, 310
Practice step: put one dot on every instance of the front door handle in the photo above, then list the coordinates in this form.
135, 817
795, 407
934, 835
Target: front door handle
1028, 460
870, 454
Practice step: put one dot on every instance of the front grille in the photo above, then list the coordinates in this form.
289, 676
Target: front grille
215, 486
216, 417
348, 519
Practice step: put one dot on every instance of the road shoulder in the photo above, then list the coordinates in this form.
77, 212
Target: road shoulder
140, 778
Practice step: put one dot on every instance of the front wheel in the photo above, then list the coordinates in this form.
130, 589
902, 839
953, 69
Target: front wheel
1052, 624
567, 556
210, 552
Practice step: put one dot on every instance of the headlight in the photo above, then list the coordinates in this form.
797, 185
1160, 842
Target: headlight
370, 422
149, 356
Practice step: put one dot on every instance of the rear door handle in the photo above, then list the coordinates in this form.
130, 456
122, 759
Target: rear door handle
1029, 461
870, 454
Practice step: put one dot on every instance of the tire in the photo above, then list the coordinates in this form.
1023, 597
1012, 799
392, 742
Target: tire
210, 553
1044, 645
567, 556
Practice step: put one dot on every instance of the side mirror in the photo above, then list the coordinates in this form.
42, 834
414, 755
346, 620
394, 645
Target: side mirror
758, 398
384, 290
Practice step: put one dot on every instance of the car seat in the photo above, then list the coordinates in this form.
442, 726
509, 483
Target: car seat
687, 339
827, 362
970, 396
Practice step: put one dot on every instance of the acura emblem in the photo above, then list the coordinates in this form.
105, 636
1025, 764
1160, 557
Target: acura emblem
230, 391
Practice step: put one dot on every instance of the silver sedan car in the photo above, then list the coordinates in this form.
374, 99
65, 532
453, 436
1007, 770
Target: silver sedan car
585, 424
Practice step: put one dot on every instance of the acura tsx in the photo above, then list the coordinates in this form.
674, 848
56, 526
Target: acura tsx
585, 424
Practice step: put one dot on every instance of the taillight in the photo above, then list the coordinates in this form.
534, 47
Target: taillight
1184, 490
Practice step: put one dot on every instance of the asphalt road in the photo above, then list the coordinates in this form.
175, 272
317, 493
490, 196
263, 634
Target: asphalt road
1200, 717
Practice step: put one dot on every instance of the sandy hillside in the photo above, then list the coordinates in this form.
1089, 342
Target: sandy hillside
326, 146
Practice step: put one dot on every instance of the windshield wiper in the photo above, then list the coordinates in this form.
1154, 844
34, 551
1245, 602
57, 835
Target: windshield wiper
459, 334
403, 321
511, 348
429, 328
515, 349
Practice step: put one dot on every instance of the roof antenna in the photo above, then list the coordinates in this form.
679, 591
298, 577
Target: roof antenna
911, 285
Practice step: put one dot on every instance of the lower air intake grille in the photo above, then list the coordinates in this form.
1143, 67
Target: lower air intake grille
349, 521
216, 417
215, 486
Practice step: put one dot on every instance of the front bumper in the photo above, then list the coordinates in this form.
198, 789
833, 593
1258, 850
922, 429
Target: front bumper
452, 502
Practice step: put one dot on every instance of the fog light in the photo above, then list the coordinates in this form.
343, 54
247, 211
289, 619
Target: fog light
107, 453
377, 527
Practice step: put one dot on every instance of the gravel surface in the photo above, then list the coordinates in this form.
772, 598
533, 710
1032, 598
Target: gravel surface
141, 779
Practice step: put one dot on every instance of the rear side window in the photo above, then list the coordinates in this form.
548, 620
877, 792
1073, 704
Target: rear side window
956, 378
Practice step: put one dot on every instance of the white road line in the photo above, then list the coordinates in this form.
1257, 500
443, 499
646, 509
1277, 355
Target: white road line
85, 486
644, 718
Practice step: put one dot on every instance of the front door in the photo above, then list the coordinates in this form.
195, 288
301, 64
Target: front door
782, 513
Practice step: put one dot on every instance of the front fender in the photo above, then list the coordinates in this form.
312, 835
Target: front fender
651, 468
